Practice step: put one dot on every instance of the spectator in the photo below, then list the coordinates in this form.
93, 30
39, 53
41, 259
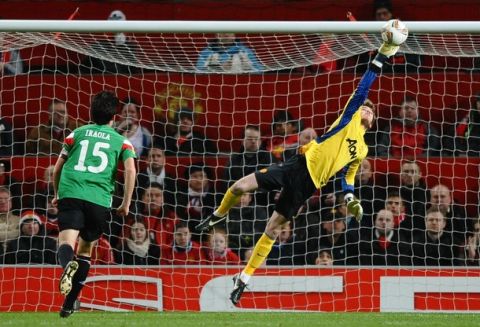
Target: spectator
408, 136
11, 63
226, 54
9, 223
218, 252
129, 126
435, 246
47, 139
155, 172
14, 186
182, 251
246, 222
284, 134
250, 158
158, 218
102, 252
6, 138
137, 249
43, 189
196, 201
324, 258
333, 236
414, 193
119, 47
49, 218
401, 220
304, 137
287, 250
471, 252
51, 213
47, 181
468, 131
455, 215
382, 10
31, 246
370, 194
383, 245
186, 141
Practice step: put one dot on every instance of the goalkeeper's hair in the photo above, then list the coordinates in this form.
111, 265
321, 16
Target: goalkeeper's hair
104, 107
369, 103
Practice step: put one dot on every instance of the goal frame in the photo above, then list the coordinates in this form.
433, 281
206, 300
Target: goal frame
180, 26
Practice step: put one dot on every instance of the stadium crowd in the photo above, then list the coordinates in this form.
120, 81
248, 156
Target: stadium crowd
405, 222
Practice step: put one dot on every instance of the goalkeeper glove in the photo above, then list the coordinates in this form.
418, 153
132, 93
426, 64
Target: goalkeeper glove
388, 49
354, 206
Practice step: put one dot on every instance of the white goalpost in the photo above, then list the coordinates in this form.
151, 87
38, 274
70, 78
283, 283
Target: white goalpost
278, 79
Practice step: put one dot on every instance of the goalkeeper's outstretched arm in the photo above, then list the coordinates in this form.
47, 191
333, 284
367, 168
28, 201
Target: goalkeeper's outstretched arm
361, 92
355, 102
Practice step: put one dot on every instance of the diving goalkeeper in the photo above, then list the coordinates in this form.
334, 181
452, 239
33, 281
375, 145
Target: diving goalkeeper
342, 147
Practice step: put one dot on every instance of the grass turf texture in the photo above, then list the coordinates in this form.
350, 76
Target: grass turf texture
178, 319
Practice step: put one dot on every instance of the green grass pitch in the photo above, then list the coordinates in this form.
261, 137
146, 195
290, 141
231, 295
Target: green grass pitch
177, 319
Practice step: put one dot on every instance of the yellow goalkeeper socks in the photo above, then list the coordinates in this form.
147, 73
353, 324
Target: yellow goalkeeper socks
228, 201
259, 254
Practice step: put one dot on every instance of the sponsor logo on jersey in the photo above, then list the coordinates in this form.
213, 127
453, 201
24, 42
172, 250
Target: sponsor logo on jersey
352, 148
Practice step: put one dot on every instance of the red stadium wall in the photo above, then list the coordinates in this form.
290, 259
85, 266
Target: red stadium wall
207, 288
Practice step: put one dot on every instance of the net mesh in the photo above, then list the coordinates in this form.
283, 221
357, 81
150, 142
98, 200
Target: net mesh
286, 87
179, 52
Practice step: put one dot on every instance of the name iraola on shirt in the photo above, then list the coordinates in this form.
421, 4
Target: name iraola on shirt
100, 135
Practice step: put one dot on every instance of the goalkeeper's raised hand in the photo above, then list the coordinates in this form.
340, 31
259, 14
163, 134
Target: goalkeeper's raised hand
354, 206
394, 33
388, 50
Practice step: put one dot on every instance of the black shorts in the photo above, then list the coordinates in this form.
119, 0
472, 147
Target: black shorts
294, 180
87, 217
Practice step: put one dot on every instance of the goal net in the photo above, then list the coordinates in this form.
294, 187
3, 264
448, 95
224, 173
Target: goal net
204, 109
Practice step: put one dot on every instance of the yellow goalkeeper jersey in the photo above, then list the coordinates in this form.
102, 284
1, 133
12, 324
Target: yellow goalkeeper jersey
343, 146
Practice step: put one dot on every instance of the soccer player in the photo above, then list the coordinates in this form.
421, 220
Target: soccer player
341, 148
84, 178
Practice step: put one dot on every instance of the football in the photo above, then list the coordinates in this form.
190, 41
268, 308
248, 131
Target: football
394, 32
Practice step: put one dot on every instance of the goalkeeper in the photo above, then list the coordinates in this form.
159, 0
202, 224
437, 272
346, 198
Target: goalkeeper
341, 148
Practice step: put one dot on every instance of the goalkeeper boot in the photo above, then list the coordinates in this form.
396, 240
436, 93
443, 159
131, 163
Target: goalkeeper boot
209, 222
67, 276
65, 313
238, 289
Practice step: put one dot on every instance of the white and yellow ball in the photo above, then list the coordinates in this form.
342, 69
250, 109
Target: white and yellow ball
394, 32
